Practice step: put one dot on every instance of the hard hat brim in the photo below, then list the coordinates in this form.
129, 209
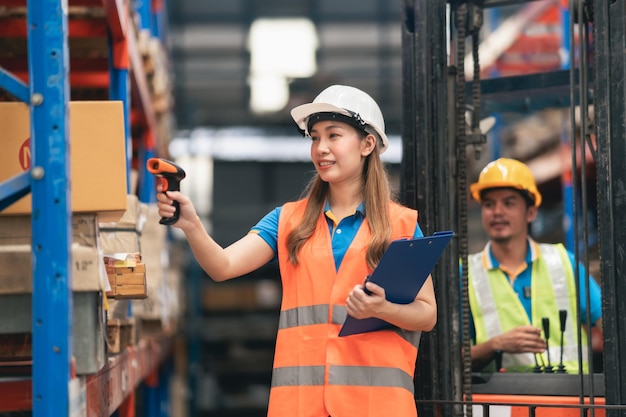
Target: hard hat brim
477, 188
301, 113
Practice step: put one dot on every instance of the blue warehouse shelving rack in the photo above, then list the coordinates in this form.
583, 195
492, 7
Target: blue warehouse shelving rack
54, 49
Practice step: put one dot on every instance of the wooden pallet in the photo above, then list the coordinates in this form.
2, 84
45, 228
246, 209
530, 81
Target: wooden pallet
121, 333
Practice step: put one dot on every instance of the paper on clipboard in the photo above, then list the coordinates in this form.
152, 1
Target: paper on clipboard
403, 269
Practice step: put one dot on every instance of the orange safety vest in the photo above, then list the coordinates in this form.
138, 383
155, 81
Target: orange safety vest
317, 373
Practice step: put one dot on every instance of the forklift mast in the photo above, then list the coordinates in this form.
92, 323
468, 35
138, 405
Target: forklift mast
444, 102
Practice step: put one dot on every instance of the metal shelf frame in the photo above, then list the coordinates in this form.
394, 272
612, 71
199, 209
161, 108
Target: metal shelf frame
109, 391
51, 223
51, 377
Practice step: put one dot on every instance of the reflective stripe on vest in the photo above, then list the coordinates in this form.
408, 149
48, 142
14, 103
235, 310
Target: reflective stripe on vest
341, 375
558, 262
552, 289
316, 372
307, 315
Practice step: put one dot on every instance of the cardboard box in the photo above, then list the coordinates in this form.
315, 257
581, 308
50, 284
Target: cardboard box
88, 329
16, 272
122, 236
97, 155
17, 230
132, 218
126, 278
120, 334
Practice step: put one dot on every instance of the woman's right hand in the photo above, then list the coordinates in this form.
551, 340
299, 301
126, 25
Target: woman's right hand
187, 216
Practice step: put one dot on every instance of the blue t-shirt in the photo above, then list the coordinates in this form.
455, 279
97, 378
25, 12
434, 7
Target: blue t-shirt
521, 286
342, 231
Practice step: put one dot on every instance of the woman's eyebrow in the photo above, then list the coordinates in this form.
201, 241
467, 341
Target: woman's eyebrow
330, 126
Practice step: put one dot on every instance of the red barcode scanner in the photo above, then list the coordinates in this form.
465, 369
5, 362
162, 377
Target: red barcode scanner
169, 175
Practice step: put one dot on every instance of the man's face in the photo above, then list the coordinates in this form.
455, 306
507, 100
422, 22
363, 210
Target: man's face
505, 214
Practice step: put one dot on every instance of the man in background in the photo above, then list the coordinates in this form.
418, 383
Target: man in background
518, 287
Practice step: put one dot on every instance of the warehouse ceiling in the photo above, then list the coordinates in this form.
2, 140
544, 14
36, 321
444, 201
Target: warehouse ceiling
358, 43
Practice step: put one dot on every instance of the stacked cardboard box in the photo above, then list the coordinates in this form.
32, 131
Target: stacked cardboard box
261, 294
97, 186
161, 310
127, 277
88, 281
121, 333
16, 254
97, 155
126, 270
122, 235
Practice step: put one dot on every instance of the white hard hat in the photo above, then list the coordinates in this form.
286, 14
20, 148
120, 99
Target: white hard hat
361, 111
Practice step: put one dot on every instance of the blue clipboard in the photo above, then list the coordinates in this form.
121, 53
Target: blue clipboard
403, 269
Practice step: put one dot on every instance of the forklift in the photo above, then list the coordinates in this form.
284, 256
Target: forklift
450, 94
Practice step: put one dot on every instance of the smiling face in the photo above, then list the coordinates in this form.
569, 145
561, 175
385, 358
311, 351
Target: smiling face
506, 214
338, 151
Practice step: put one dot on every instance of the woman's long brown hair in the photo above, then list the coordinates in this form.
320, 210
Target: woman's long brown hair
376, 194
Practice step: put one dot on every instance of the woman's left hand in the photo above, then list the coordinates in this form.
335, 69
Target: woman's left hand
361, 305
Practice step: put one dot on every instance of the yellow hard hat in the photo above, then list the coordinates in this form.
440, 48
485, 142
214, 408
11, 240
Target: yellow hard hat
505, 172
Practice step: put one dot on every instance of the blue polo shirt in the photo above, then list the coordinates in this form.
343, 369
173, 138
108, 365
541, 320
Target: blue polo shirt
342, 231
521, 284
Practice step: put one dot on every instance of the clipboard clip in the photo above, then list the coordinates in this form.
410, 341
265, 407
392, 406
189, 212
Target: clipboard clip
444, 233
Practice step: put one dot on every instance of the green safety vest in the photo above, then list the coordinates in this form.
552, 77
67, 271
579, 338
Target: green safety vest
497, 309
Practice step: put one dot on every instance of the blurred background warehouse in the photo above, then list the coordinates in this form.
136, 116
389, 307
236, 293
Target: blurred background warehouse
238, 68
209, 85
255, 164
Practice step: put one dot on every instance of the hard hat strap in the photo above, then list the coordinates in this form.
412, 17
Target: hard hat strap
353, 120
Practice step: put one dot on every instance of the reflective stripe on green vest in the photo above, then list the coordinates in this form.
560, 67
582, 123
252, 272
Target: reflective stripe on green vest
553, 288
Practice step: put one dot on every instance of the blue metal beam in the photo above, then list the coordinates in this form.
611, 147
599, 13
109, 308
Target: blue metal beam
14, 86
13, 189
147, 181
524, 93
144, 11
51, 206
566, 139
